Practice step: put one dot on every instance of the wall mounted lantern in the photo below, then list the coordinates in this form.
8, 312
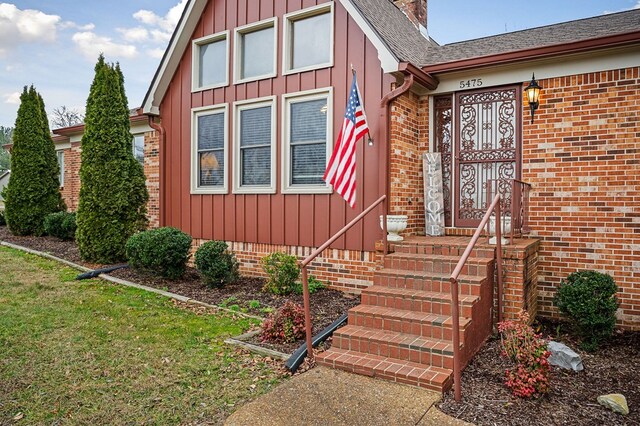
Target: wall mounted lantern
533, 95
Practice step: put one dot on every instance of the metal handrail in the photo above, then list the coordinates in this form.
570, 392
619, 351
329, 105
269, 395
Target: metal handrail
305, 263
495, 206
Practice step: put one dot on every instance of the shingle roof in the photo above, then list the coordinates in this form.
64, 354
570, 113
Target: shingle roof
408, 44
396, 30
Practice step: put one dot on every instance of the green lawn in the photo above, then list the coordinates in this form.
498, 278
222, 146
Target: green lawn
89, 352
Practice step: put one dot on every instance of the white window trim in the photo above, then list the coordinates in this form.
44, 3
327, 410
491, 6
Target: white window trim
61, 175
288, 19
195, 181
195, 60
238, 107
133, 146
238, 46
306, 95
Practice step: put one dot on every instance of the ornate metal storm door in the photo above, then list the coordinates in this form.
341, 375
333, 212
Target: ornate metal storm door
487, 137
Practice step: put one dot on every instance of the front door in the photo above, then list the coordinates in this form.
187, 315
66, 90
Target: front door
487, 150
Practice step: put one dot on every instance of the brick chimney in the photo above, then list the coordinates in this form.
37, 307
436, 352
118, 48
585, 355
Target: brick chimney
416, 11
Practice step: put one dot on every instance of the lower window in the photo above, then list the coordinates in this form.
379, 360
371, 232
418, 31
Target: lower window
306, 140
209, 148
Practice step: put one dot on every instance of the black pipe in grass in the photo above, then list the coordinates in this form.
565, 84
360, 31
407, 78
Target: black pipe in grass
95, 273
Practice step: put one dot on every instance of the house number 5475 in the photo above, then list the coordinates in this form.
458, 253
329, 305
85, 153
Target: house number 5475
474, 82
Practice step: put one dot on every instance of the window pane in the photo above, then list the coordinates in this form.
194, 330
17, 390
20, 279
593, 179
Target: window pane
211, 168
309, 121
308, 163
308, 142
257, 53
138, 148
256, 166
60, 157
211, 131
255, 146
213, 63
311, 41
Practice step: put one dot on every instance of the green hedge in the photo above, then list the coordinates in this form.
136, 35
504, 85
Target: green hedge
61, 225
162, 251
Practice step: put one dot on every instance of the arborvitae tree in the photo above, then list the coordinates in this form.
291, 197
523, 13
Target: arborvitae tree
113, 194
33, 191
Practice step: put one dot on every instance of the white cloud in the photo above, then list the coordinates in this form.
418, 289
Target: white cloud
167, 22
136, 34
69, 24
156, 53
91, 45
636, 6
24, 26
12, 98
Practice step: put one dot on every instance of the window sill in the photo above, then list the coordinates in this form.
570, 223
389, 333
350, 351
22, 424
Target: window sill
257, 78
307, 190
254, 190
308, 68
209, 191
210, 87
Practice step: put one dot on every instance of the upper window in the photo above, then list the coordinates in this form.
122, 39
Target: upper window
138, 148
209, 150
308, 39
255, 51
210, 61
60, 157
254, 165
306, 140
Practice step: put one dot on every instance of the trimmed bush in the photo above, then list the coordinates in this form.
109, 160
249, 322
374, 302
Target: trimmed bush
216, 263
113, 194
162, 251
588, 299
61, 225
282, 271
33, 191
286, 325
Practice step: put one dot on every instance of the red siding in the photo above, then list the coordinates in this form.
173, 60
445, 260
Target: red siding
296, 220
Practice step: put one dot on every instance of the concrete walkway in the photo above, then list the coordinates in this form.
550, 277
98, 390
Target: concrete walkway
324, 396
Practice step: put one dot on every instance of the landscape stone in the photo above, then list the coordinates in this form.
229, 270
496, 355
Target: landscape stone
564, 357
616, 402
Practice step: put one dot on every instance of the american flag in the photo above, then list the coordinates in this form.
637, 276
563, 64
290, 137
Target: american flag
341, 170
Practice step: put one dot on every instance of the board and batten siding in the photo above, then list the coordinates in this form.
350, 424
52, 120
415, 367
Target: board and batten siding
283, 219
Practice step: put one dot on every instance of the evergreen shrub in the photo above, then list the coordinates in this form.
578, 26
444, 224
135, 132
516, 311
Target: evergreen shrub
282, 271
588, 299
33, 191
216, 263
162, 251
61, 225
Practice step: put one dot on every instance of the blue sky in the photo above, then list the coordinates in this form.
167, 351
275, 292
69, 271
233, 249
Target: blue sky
54, 44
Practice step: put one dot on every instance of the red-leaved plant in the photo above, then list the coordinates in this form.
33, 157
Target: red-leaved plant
528, 351
285, 325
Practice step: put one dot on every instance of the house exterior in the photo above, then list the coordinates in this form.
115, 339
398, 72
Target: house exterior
4, 181
241, 117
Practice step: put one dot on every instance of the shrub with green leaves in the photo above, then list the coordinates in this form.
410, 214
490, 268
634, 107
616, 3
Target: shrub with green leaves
286, 325
315, 285
113, 193
216, 263
61, 225
33, 191
588, 299
162, 251
282, 271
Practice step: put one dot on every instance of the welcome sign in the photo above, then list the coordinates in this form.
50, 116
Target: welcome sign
433, 194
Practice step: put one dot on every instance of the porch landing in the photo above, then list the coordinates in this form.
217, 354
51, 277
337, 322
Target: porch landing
402, 330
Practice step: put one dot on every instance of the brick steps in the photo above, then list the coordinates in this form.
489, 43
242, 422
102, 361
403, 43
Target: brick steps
388, 344
416, 300
427, 281
403, 330
392, 369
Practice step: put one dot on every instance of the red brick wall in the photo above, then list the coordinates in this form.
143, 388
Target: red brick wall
71, 190
346, 270
409, 134
152, 172
582, 156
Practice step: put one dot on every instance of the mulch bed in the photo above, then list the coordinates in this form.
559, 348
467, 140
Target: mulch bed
572, 400
245, 295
